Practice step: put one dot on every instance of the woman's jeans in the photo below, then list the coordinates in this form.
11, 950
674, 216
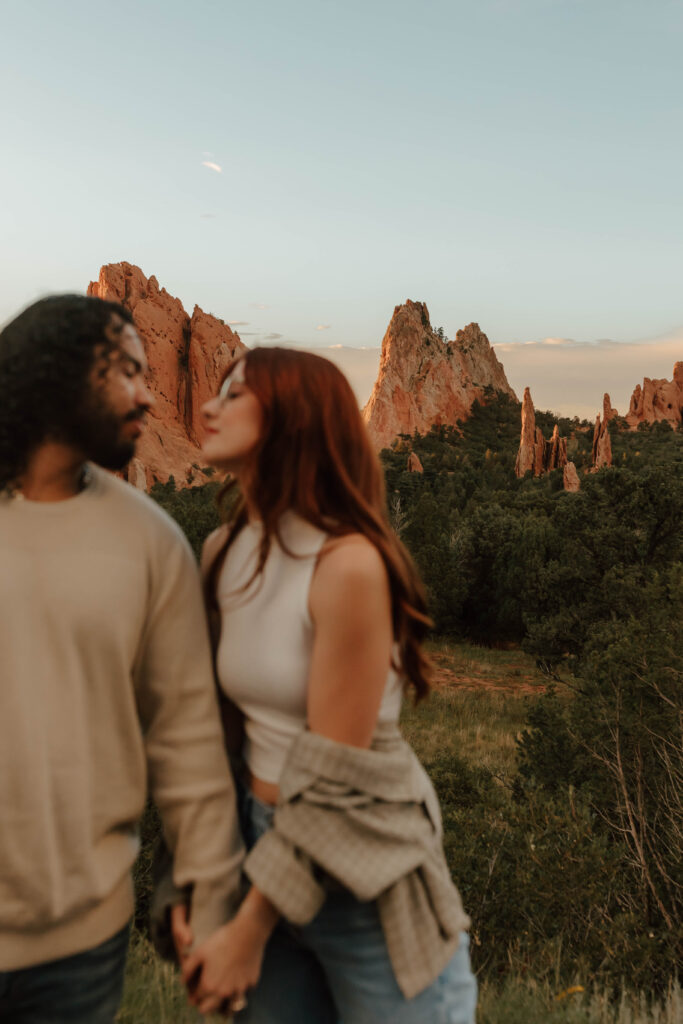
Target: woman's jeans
81, 989
336, 970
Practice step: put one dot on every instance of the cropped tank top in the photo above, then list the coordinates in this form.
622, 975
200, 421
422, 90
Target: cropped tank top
264, 653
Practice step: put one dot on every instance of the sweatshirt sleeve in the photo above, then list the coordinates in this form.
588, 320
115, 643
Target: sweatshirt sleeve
189, 777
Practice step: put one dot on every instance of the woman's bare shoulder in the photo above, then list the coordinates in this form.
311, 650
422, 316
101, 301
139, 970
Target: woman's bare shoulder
351, 559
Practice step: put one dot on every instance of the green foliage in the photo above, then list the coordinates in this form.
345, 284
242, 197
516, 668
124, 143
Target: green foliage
576, 860
193, 508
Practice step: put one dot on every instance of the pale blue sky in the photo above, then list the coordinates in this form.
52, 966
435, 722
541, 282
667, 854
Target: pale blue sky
514, 162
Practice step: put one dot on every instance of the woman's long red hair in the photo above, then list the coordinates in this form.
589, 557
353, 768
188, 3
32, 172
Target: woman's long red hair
316, 459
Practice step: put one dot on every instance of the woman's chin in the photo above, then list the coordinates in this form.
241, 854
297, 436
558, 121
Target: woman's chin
211, 456
214, 459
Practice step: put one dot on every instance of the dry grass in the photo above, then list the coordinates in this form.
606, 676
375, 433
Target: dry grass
153, 991
154, 995
477, 708
526, 1002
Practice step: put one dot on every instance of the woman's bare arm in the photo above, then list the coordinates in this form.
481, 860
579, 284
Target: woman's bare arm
350, 604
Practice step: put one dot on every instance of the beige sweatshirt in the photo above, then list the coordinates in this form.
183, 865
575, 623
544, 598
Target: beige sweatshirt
106, 686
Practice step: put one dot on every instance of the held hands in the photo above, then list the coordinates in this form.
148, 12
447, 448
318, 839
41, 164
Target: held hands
181, 932
228, 963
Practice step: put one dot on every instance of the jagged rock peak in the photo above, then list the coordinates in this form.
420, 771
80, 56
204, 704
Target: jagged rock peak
608, 413
536, 455
602, 442
186, 356
658, 400
425, 380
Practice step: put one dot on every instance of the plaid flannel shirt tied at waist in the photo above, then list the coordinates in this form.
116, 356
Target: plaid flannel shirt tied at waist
370, 820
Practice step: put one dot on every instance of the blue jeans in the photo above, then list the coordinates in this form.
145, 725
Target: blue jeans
336, 970
81, 989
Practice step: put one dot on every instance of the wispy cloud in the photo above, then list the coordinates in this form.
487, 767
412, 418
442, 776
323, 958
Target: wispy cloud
258, 305
208, 216
238, 323
272, 337
323, 327
212, 166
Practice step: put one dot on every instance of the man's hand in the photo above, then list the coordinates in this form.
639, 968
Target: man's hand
181, 932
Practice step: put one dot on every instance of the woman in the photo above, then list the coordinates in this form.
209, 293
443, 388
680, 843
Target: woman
351, 914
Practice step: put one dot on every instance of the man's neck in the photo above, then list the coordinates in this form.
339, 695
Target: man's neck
54, 472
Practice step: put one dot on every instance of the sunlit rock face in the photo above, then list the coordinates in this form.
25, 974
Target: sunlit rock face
570, 478
602, 443
535, 454
657, 400
538, 456
187, 357
424, 380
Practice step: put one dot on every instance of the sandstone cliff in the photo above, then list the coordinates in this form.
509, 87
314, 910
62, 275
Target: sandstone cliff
658, 400
187, 357
423, 381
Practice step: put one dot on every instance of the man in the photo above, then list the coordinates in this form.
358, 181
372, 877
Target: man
105, 673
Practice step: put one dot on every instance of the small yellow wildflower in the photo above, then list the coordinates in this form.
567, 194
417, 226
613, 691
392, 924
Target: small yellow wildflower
569, 992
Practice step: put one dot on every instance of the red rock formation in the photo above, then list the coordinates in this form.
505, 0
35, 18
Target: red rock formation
422, 381
555, 451
570, 478
658, 400
187, 357
414, 464
602, 443
528, 445
608, 412
536, 455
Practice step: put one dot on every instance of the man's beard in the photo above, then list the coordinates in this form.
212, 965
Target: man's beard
97, 431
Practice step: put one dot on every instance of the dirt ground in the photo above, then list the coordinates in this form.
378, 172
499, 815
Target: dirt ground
510, 672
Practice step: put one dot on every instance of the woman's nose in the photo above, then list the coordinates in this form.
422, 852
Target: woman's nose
209, 408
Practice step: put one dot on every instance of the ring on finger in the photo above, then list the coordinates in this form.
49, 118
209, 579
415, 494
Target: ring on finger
238, 1003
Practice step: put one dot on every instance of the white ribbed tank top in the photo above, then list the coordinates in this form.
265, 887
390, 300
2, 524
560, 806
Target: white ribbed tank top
264, 653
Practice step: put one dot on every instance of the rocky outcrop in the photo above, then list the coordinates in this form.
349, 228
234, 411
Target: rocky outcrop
608, 413
602, 444
530, 454
424, 381
414, 464
536, 455
570, 478
658, 400
187, 357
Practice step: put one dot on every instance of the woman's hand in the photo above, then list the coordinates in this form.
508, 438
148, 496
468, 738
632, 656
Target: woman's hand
229, 961
181, 931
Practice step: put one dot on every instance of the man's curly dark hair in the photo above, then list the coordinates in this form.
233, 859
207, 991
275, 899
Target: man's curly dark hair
46, 355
